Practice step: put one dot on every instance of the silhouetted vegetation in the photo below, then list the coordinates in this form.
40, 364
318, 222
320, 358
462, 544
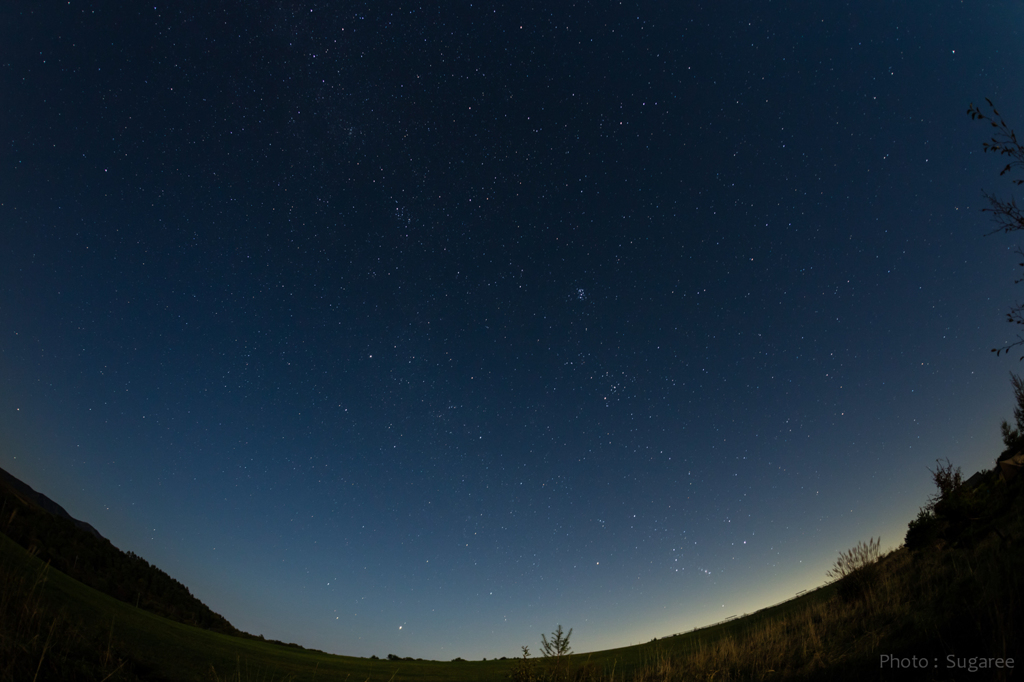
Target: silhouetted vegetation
960, 513
1006, 214
524, 669
923, 531
554, 666
856, 571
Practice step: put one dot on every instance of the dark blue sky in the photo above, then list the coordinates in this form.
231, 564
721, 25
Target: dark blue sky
391, 328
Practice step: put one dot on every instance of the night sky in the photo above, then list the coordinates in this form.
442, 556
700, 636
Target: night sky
423, 328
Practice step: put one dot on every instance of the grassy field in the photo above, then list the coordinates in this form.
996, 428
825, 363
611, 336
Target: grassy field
954, 600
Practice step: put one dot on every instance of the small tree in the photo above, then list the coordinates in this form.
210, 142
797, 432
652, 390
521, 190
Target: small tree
1018, 397
558, 645
954, 502
556, 653
1013, 438
948, 480
524, 669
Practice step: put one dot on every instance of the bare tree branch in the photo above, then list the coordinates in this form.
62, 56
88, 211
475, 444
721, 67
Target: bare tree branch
1007, 216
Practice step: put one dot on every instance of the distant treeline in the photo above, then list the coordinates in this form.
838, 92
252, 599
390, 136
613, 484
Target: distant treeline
97, 563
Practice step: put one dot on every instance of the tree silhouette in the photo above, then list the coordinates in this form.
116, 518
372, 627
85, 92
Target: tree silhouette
1006, 214
556, 652
558, 645
1013, 435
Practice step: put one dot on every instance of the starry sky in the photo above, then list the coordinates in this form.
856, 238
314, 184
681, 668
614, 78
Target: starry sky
422, 328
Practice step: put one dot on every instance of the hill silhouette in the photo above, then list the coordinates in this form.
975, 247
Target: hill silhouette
46, 530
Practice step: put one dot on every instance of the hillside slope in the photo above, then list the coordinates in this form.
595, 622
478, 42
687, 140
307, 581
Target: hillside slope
75, 548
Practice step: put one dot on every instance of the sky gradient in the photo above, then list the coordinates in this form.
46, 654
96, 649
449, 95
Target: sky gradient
420, 329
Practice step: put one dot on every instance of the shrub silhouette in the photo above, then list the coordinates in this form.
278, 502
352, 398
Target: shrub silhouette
855, 571
924, 531
524, 669
556, 656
